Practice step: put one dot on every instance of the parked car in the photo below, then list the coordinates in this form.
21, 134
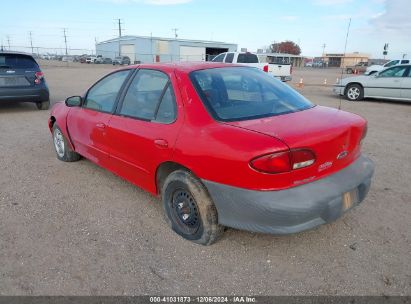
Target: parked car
122, 60
222, 144
107, 61
91, 59
308, 64
21, 80
357, 68
391, 83
377, 68
281, 70
99, 59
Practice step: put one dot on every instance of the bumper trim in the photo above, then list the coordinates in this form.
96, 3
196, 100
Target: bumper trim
295, 209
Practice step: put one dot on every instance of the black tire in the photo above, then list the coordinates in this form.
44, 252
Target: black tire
354, 92
349, 71
44, 105
189, 210
66, 154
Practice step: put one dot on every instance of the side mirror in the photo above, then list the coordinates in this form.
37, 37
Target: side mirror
74, 101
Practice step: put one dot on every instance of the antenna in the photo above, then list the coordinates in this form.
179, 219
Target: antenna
345, 50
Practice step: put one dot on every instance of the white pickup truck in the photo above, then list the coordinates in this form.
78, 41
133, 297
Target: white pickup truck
279, 70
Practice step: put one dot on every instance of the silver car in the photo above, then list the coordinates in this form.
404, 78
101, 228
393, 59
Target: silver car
391, 83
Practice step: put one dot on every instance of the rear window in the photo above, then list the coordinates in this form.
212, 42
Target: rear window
247, 58
241, 93
15, 61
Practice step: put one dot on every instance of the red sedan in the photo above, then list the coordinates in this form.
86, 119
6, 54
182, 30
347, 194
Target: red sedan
223, 145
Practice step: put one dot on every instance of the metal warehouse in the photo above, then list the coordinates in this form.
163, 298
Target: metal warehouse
143, 49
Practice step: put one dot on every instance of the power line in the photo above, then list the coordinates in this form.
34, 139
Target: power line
65, 39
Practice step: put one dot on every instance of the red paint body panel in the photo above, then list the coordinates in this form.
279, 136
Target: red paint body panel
212, 150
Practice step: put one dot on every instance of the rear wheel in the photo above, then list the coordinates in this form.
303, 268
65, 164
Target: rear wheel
44, 105
349, 71
189, 209
354, 92
63, 150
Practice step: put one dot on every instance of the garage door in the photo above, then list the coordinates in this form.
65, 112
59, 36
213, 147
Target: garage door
192, 53
128, 50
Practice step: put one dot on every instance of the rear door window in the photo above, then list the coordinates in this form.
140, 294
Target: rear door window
17, 61
150, 97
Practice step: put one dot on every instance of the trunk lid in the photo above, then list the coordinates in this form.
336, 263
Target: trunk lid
333, 135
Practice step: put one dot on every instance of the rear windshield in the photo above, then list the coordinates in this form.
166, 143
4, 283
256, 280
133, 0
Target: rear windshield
16, 61
247, 58
242, 93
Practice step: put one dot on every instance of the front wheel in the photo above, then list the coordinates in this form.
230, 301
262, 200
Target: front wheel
189, 210
354, 92
63, 150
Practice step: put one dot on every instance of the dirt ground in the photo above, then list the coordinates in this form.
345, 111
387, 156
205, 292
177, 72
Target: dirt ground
76, 229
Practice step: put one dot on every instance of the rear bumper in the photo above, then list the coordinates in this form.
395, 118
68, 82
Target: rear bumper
284, 78
295, 209
31, 94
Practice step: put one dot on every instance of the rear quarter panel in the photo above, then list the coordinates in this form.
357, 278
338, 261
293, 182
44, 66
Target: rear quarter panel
59, 113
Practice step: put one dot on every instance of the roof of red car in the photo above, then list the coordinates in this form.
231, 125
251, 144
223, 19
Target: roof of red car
184, 66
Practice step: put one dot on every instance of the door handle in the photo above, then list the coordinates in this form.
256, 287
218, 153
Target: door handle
161, 143
100, 125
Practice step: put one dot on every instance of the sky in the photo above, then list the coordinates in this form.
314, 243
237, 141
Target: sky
250, 24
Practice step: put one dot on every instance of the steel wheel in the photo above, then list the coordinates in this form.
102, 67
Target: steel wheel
185, 211
58, 142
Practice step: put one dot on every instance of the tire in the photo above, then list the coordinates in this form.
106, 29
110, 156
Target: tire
349, 71
354, 92
44, 105
189, 210
63, 150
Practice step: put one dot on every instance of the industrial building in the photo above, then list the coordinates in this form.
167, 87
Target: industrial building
142, 49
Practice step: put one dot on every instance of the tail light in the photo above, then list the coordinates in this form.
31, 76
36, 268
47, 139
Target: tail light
281, 162
39, 76
265, 69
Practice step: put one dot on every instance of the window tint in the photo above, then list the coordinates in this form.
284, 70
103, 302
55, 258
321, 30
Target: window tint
103, 95
229, 58
247, 58
150, 97
15, 61
397, 71
405, 61
219, 58
239, 93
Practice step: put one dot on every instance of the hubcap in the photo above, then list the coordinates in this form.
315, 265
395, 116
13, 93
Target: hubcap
185, 211
353, 93
58, 142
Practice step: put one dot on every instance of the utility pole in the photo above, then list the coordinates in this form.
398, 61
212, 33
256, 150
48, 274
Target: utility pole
8, 41
31, 42
119, 36
65, 39
175, 32
323, 46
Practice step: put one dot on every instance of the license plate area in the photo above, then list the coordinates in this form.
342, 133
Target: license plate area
349, 199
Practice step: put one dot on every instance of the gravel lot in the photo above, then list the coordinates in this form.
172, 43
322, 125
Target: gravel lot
76, 229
